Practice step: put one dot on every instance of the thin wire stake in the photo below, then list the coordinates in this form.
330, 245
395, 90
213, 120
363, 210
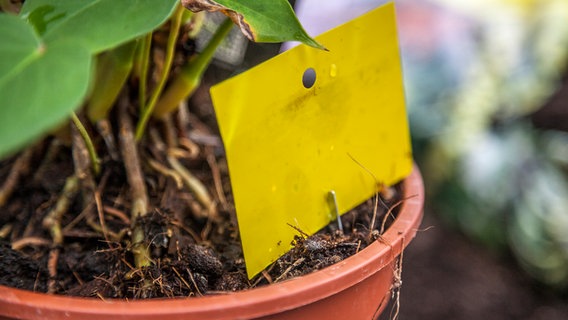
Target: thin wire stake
336, 209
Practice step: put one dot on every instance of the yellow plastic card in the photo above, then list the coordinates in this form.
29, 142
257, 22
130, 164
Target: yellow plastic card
290, 142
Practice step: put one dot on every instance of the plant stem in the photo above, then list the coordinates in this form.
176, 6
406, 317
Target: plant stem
143, 64
191, 73
89, 143
112, 70
135, 178
170, 50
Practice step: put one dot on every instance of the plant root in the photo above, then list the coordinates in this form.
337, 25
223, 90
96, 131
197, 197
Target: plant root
290, 268
197, 188
19, 168
87, 143
191, 151
166, 172
216, 172
82, 162
390, 214
105, 130
6, 230
374, 218
397, 284
52, 222
30, 241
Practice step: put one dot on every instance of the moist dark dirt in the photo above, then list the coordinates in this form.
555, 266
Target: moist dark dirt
191, 255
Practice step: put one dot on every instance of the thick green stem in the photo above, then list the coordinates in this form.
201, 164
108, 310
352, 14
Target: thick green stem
170, 50
95, 162
113, 68
191, 74
143, 63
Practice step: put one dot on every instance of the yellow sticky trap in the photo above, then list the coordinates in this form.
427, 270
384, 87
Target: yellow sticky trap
288, 146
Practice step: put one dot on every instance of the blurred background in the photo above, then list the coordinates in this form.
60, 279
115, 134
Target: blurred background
487, 96
488, 106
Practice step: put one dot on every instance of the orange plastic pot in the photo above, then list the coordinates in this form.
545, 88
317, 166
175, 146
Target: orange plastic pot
355, 288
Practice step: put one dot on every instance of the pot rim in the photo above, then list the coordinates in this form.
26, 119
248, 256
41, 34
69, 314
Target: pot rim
256, 302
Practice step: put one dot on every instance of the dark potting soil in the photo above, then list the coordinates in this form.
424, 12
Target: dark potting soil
192, 255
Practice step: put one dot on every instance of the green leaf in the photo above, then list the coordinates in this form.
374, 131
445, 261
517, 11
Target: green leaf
100, 24
259, 20
19, 44
40, 86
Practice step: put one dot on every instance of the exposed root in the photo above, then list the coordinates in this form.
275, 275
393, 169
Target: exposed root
101, 215
117, 213
6, 230
264, 275
87, 143
30, 241
389, 215
374, 217
397, 284
170, 131
196, 187
189, 151
92, 203
194, 283
290, 268
216, 172
52, 222
183, 118
52, 269
187, 230
182, 279
191, 147
82, 163
19, 168
105, 130
132, 164
267, 276
166, 172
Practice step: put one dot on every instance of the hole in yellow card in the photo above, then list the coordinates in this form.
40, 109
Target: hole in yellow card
309, 78
287, 147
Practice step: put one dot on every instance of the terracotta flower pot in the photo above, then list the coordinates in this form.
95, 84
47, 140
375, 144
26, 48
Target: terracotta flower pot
355, 288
